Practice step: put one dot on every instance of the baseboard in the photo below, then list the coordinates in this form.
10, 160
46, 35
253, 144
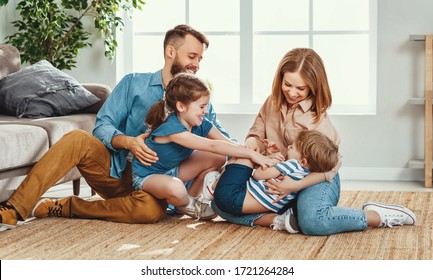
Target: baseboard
66, 189
379, 174
346, 173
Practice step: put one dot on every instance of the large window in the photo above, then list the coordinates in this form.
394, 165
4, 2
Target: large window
249, 37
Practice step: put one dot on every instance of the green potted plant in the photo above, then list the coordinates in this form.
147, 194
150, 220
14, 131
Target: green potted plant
54, 31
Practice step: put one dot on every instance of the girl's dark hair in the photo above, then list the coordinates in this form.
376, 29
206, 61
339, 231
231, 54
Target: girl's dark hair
185, 88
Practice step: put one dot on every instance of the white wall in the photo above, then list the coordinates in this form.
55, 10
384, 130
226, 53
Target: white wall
373, 147
7, 14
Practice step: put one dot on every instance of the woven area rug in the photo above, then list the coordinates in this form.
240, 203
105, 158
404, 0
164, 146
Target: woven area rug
179, 238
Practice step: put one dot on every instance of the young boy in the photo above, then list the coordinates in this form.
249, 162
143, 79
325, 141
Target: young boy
242, 198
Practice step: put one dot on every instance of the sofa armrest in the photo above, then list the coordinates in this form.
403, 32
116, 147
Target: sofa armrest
100, 91
10, 61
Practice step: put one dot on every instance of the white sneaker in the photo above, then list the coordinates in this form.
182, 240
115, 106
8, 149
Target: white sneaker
391, 214
208, 181
286, 221
197, 208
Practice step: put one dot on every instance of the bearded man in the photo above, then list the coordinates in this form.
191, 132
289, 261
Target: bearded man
103, 158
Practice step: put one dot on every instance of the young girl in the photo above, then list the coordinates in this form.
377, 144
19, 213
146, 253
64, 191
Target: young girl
178, 127
241, 191
299, 101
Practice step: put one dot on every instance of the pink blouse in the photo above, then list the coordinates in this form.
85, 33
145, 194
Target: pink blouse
281, 126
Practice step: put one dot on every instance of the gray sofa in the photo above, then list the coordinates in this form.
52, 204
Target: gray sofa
23, 141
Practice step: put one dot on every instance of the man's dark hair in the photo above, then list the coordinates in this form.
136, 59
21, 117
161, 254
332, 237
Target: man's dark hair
178, 33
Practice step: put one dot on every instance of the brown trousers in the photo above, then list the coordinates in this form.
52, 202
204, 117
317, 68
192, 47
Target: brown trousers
78, 148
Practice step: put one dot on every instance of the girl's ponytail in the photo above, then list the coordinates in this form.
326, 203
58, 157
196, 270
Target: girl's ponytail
156, 115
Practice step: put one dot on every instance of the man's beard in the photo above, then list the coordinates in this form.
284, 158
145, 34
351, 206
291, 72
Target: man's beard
178, 68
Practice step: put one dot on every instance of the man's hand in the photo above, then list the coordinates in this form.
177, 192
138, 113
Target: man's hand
140, 150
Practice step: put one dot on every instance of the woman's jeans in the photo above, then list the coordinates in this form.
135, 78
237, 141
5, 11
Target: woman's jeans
318, 213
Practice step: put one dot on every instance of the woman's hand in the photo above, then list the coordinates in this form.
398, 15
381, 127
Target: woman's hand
331, 174
251, 143
141, 151
283, 188
270, 147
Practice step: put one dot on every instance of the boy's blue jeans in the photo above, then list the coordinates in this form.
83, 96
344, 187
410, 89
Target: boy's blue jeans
318, 213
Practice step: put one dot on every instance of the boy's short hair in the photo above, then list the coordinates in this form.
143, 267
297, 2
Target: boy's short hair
320, 152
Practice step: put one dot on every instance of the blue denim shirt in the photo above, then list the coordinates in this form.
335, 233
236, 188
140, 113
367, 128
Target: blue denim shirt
125, 110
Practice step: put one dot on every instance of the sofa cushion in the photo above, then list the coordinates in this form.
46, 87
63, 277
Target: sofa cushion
41, 90
21, 145
55, 127
10, 60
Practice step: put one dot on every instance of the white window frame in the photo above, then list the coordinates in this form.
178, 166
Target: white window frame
246, 34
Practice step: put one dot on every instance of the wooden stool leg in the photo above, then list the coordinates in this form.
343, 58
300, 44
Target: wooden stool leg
76, 187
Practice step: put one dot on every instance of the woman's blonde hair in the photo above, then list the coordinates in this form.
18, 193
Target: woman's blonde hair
312, 70
185, 88
320, 152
